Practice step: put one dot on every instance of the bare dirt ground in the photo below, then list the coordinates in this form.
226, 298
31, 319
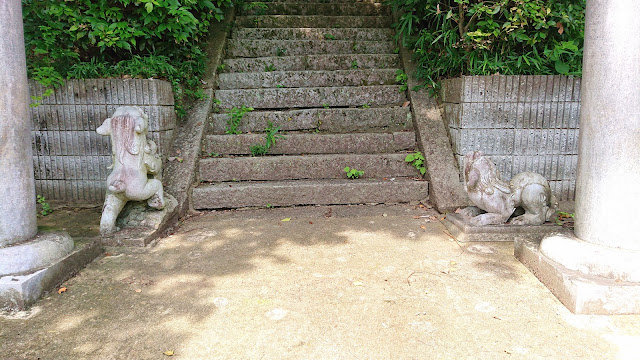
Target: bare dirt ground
377, 282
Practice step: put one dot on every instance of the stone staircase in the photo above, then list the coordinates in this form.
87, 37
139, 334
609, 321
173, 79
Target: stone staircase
325, 73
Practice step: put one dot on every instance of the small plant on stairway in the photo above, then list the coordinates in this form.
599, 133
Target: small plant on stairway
326, 106
354, 64
271, 135
401, 78
258, 150
366, 106
269, 67
259, 8
235, 117
281, 51
417, 160
352, 173
329, 37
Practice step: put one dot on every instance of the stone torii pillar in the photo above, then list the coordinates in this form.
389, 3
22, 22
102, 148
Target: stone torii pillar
29, 263
17, 187
598, 270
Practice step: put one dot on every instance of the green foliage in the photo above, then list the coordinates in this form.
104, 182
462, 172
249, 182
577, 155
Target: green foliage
477, 37
255, 8
565, 218
354, 64
46, 208
271, 135
366, 106
269, 67
329, 37
120, 38
258, 150
402, 78
281, 51
417, 160
353, 173
235, 117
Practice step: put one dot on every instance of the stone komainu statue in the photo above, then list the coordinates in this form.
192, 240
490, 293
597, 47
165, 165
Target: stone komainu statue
499, 199
137, 168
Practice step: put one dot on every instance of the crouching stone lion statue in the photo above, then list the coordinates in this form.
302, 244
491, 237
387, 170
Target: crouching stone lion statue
135, 160
496, 200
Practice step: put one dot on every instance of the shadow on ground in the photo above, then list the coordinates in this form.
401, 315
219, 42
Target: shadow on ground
325, 283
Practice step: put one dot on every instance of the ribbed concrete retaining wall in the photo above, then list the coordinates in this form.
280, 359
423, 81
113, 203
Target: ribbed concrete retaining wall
524, 123
70, 158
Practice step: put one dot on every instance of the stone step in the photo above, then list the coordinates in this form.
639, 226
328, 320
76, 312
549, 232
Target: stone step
317, 21
358, 34
316, 8
263, 48
291, 79
312, 62
329, 120
308, 143
379, 95
308, 192
292, 167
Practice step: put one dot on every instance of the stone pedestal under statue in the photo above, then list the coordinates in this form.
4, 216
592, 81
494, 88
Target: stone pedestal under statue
597, 271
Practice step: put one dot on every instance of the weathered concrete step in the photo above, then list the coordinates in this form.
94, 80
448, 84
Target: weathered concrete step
358, 34
313, 62
272, 168
291, 79
263, 48
308, 192
307, 143
330, 120
316, 8
317, 21
312, 97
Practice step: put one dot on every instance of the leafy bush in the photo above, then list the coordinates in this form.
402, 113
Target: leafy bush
475, 37
119, 38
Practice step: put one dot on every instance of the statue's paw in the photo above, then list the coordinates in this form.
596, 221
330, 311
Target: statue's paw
470, 211
156, 202
476, 221
526, 220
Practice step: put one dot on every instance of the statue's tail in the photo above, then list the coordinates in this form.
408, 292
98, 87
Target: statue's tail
117, 186
553, 207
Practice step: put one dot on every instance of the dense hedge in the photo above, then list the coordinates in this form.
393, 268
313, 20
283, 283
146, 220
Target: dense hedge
120, 38
474, 37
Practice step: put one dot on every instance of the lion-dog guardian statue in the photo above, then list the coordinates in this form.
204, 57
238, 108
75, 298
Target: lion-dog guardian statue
137, 168
496, 200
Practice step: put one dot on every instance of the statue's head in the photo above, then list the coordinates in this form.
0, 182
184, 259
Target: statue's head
480, 173
127, 124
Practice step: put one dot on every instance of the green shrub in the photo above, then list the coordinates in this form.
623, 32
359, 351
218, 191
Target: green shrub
115, 38
474, 37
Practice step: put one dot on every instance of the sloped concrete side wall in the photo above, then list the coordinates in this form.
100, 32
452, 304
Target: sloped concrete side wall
525, 123
70, 159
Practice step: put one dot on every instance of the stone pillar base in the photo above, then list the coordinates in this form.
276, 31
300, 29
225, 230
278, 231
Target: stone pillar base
586, 289
39, 265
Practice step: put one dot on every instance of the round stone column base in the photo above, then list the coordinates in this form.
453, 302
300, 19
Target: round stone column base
41, 251
592, 259
581, 289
